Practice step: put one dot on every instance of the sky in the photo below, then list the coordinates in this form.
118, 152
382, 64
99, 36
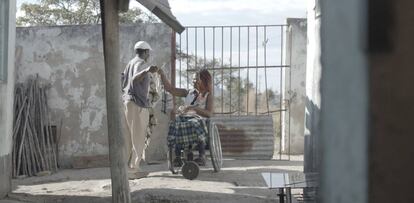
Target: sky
234, 12
230, 12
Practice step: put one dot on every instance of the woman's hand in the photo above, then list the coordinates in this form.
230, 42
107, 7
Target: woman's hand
181, 109
185, 109
188, 108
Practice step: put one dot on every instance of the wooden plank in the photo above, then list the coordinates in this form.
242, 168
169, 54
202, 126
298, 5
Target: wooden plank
123, 5
110, 35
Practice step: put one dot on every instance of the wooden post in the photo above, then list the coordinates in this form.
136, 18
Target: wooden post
110, 35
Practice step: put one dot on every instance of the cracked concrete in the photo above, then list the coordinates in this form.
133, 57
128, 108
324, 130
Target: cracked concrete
239, 181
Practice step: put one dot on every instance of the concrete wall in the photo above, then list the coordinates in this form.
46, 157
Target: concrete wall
295, 79
71, 59
391, 98
313, 93
6, 103
366, 161
344, 104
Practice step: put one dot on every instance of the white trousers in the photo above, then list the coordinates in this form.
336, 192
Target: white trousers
137, 119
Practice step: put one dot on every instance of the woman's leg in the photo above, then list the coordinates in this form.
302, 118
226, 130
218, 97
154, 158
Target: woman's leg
201, 160
202, 149
178, 149
177, 162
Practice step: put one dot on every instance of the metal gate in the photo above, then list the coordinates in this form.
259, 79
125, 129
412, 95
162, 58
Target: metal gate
248, 66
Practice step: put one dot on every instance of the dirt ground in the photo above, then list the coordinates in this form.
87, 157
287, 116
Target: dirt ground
238, 181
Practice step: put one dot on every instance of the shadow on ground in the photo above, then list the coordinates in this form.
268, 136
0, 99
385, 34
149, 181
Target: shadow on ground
238, 181
153, 196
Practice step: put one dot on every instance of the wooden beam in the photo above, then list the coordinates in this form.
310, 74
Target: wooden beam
123, 5
161, 8
110, 36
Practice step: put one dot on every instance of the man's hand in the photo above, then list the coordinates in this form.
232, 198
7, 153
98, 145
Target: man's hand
153, 69
160, 71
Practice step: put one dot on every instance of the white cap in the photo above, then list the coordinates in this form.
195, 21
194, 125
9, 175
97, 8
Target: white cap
142, 45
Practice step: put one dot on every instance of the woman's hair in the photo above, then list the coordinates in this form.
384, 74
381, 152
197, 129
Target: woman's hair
206, 79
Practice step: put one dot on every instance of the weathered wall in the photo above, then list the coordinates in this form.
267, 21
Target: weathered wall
391, 98
313, 93
6, 95
344, 102
71, 59
295, 79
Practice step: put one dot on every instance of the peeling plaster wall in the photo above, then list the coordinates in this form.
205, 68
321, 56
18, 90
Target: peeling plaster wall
6, 101
312, 154
295, 88
70, 58
344, 104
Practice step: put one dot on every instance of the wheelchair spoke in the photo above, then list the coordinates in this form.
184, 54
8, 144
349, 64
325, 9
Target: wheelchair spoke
215, 148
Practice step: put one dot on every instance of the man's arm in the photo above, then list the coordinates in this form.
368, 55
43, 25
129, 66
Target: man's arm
139, 76
170, 88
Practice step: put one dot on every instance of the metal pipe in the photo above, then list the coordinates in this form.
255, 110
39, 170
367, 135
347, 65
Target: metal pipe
231, 73
265, 68
262, 113
257, 70
222, 70
173, 67
195, 44
204, 38
290, 90
243, 67
280, 88
248, 64
239, 77
180, 59
214, 26
214, 57
188, 62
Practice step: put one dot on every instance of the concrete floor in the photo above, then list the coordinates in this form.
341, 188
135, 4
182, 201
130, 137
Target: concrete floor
239, 181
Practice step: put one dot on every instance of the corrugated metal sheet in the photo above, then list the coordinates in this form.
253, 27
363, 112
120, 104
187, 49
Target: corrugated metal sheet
246, 137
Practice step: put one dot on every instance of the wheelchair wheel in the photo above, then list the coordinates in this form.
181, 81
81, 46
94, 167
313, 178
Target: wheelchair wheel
170, 158
215, 148
190, 170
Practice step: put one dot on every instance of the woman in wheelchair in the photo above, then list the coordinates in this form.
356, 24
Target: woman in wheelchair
189, 127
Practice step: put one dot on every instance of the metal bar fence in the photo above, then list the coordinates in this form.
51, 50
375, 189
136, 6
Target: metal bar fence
234, 94
281, 93
231, 72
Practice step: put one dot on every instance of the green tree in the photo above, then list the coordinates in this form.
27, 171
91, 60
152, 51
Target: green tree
72, 12
230, 90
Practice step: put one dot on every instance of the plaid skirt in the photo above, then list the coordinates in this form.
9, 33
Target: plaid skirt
187, 130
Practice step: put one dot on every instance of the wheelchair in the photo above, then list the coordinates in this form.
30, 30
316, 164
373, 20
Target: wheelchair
189, 168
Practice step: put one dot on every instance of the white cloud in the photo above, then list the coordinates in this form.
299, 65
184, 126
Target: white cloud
228, 12
260, 6
235, 12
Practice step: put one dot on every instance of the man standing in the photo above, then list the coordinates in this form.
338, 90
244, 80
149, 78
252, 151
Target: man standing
135, 81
